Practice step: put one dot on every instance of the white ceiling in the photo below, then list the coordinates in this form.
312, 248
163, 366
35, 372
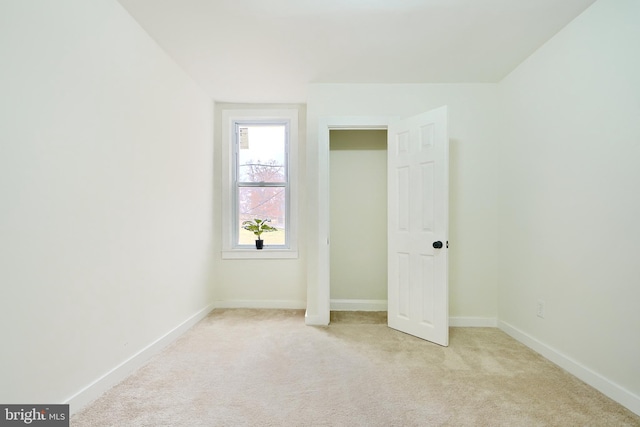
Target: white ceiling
269, 50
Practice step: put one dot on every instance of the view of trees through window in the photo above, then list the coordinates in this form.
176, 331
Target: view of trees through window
262, 179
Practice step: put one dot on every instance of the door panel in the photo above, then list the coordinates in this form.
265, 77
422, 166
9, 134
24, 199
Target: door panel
418, 171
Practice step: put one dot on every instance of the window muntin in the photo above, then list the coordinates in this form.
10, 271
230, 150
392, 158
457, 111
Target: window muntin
261, 181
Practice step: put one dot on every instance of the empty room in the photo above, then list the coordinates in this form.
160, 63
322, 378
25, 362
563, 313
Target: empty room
347, 212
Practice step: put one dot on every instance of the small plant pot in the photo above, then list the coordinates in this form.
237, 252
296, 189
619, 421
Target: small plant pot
259, 244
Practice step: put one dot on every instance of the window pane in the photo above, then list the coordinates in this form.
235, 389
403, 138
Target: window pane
262, 203
261, 153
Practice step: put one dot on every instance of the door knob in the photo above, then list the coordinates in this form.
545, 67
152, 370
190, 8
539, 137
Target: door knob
437, 245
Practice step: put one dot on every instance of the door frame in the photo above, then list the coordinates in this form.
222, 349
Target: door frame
326, 124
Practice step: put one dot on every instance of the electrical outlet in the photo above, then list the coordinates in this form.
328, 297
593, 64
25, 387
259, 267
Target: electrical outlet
540, 309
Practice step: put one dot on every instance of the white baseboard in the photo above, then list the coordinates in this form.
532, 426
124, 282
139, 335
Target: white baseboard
473, 322
358, 304
621, 395
272, 304
126, 368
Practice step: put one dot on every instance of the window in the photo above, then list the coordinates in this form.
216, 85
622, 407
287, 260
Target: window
259, 181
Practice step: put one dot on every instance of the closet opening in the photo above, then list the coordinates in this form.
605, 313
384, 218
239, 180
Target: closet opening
358, 220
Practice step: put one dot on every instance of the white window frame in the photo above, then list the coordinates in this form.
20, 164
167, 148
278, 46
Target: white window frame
236, 184
229, 204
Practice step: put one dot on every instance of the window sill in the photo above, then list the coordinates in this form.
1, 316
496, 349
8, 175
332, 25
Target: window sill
260, 254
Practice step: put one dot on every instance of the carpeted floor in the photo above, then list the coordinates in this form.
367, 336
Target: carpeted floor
266, 368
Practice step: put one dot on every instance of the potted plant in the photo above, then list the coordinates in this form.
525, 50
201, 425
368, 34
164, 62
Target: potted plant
257, 227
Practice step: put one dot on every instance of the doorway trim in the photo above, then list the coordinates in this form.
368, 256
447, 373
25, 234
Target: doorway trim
325, 125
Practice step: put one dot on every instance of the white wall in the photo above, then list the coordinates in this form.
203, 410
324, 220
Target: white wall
106, 182
570, 203
358, 211
265, 283
473, 178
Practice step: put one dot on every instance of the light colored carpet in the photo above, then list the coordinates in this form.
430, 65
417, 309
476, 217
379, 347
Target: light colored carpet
266, 368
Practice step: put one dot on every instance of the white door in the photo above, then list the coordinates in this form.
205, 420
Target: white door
418, 172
